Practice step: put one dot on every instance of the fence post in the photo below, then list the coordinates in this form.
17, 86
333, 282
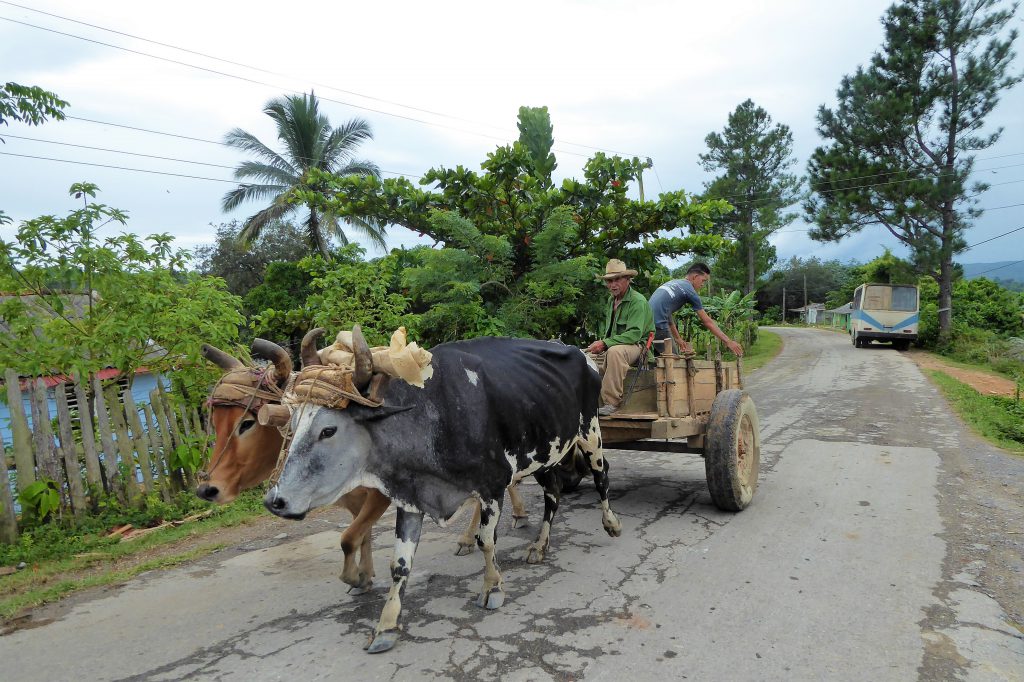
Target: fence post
24, 459
157, 399
72, 470
42, 437
140, 440
114, 482
124, 443
8, 517
158, 458
92, 462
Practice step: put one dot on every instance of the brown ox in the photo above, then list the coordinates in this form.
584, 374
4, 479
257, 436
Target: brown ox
246, 452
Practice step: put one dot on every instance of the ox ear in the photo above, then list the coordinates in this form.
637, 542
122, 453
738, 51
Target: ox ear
373, 414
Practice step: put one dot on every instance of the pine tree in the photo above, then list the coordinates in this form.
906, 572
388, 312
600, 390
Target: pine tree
900, 142
753, 155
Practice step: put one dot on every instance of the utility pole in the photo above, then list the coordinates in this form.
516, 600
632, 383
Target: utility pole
783, 304
805, 294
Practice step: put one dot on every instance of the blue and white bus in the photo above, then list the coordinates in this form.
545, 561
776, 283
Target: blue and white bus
885, 312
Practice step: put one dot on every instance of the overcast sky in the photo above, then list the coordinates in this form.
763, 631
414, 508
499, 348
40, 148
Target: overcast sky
441, 84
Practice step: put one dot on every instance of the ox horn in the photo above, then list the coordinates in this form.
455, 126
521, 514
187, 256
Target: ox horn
307, 352
268, 350
220, 358
363, 359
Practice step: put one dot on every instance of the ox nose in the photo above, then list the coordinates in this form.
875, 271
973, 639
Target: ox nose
278, 505
208, 492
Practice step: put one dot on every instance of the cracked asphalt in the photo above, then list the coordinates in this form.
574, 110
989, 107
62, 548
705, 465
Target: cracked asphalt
884, 542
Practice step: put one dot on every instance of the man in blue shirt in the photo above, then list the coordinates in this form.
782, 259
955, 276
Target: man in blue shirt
673, 295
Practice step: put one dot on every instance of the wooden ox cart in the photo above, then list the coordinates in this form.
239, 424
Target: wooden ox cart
696, 406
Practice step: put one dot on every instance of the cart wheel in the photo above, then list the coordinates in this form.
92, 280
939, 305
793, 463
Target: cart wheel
732, 452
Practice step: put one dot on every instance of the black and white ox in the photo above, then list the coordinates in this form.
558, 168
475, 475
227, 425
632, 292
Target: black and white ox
494, 411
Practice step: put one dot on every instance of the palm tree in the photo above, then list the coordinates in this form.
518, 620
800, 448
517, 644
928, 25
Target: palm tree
310, 142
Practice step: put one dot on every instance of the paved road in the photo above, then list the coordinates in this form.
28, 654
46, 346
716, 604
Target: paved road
884, 543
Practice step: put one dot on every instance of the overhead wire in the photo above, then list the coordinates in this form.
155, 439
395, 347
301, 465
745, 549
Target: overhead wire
271, 85
283, 75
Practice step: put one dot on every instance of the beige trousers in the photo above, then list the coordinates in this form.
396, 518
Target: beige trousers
613, 364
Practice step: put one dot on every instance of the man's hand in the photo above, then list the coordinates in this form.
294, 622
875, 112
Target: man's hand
736, 348
597, 347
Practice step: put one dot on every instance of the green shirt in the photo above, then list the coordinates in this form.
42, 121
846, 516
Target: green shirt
628, 324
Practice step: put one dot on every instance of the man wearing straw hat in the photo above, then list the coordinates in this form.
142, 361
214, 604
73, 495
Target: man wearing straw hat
624, 330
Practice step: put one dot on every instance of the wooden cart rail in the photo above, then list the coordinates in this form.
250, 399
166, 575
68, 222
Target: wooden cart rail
670, 401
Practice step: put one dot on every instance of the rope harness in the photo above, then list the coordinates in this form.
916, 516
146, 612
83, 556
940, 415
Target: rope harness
247, 387
328, 386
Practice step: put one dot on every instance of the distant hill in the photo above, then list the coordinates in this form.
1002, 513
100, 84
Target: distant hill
1013, 272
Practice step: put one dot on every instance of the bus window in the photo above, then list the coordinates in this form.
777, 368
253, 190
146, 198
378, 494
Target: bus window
856, 298
904, 298
876, 298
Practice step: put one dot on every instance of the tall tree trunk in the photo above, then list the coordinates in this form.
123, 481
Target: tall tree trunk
751, 255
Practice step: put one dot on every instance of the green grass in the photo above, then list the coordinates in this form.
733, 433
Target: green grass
768, 345
73, 561
997, 419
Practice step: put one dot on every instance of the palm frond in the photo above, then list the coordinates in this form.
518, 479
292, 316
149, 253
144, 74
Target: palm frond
247, 142
342, 142
243, 193
261, 171
254, 224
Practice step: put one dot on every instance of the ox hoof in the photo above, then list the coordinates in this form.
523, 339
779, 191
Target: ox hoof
535, 553
492, 600
517, 519
359, 584
383, 641
613, 527
464, 549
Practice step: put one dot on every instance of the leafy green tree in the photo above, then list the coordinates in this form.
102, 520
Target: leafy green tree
899, 143
335, 295
499, 228
537, 134
310, 144
124, 302
29, 104
244, 266
753, 156
818, 276
886, 269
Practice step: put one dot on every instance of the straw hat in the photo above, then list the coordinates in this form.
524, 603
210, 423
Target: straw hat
615, 269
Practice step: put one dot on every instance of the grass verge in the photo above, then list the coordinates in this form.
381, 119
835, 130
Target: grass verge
768, 345
998, 420
75, 562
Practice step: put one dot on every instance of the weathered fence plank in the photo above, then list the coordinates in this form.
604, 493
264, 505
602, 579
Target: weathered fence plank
163, 471
92, 461
123, 440
8, 517
114, 482
140, 439
69, 450
158, 399
21, 435
42, 436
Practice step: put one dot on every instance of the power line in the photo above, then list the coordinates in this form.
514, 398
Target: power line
278, 73
152, 156
998, 236
103, 165
270, 85
1005, 265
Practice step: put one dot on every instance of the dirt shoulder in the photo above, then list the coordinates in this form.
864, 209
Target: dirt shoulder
983, 382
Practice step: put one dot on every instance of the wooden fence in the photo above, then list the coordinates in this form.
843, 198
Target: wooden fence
106, 444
